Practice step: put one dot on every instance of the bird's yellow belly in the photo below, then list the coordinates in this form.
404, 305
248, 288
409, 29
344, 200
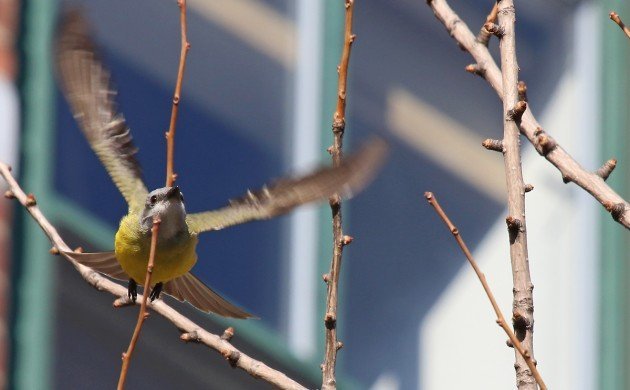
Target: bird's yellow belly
172, 259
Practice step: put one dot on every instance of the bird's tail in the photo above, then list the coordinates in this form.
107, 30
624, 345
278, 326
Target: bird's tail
185, 288
189, 288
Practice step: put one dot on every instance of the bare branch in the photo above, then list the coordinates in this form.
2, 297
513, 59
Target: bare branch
513, 110
615, 18
528, 125
514, 341
255, 368
329, 381
484, 35
171, 176
143, 313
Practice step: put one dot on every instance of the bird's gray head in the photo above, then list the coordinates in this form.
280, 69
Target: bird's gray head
167, 204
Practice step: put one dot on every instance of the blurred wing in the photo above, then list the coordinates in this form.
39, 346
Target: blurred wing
351, 176
103, 262
86, 85
189, 288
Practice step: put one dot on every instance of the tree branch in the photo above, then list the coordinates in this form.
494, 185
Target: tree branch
529, 126
615, 18
531, 363
523, 303
143, 313
484, 35
255, 368
329, 381
171, 176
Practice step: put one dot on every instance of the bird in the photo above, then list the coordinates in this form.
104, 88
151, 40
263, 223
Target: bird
87, 86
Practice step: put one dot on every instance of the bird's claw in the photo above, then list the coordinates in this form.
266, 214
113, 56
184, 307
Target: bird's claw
132, 290
155, 292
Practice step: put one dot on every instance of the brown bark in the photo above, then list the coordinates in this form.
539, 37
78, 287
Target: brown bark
329, 380
546, 146
523, 302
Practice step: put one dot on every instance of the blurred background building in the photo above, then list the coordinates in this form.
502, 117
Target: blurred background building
257, 103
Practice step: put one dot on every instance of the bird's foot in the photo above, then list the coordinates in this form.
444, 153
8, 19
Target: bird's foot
155, 292
132, 290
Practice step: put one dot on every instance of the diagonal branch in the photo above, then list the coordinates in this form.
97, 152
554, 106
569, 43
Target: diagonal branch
143, 313
615, 18
339, 240
170, 135
531, 363
513, 109
484, 35
546, 146
192, 331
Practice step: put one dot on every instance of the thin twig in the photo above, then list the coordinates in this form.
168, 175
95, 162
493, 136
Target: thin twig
339, 240
523, 304
255, 368
143, 313
531, 363
484, 35
171, 176
615, 18
529, 126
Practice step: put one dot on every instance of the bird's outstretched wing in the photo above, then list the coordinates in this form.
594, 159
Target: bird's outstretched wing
103, 262
352, 175
189, 288
86, 85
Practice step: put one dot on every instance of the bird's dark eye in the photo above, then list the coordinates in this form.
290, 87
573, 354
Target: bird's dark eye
153, 199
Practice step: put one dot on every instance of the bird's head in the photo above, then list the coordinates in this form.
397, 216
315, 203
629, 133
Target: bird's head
167, 204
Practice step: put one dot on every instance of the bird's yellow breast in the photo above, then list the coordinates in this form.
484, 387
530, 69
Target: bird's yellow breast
173, 258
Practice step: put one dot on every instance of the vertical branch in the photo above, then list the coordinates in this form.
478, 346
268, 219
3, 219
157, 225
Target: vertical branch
523, 304
143, 314
339, 240
170, 134
615, 18
531, 363
170, 178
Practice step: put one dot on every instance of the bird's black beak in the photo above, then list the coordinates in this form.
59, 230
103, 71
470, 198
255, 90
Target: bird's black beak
173, 191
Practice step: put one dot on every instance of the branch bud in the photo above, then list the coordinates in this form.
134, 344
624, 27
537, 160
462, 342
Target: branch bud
232, 357
330, 321
190, 337
616, 210
494, 29
30, 200
513, 224
493, 144
546, 143
517, 112
475, 69
605, 170
228, 334
522, 91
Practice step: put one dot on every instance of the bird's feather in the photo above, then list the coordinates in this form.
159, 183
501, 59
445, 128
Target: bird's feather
351, 176
189, 288
86, 85
103, 262
185, 288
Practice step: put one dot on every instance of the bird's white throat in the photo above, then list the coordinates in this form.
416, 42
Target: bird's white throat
172, 216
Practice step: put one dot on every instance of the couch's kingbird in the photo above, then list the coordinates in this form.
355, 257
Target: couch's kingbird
86, 85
